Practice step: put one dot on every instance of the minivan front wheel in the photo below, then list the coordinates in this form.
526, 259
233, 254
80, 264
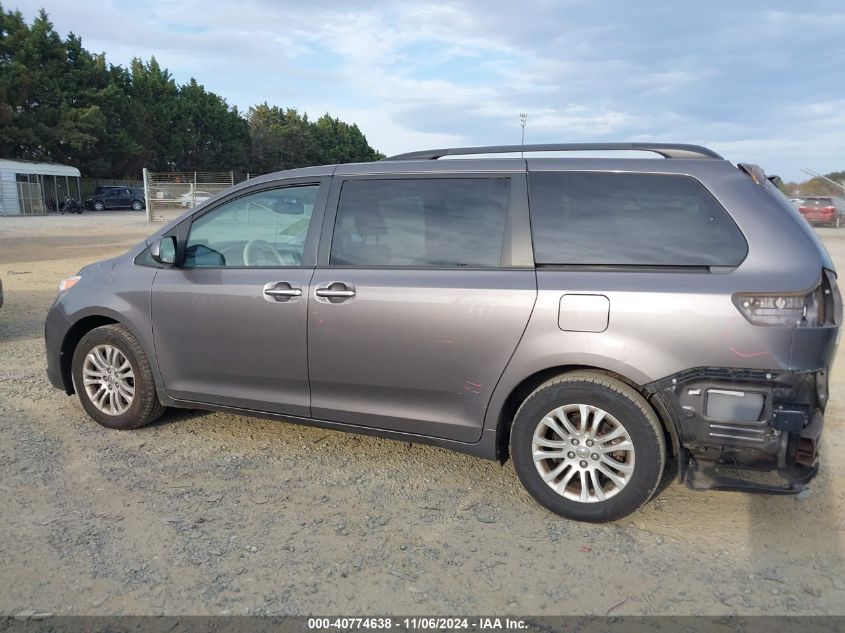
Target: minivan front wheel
588, 447
112, 377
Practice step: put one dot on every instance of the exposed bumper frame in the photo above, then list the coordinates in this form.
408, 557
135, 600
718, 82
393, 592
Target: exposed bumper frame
783, 442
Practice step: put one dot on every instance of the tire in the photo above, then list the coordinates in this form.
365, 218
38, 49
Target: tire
622, 407
129, 413
136, 205
99, 206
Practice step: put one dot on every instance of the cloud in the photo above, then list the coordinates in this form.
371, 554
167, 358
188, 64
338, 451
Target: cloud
756, 80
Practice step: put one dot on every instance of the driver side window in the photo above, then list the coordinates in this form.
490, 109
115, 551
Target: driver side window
261, 229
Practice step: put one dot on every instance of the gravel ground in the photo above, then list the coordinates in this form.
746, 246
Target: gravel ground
207, 513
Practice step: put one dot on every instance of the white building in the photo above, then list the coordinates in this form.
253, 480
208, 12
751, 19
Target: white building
28, 187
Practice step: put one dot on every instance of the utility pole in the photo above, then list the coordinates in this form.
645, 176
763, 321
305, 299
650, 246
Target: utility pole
523, 119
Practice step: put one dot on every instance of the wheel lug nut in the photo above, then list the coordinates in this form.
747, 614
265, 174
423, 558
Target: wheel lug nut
575, 442
570, 455
583, 464
595, 456
589, 442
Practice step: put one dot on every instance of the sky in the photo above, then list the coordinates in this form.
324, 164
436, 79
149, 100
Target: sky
760, 82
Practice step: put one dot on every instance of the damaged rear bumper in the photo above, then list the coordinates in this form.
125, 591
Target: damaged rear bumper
745, 430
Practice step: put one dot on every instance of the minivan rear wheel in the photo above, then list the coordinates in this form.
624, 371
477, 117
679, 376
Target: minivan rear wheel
588, 447
112, 377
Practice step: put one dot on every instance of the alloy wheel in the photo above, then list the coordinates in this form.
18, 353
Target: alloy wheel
583, 453
108, 380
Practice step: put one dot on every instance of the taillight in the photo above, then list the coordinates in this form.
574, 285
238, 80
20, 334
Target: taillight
831, 299
822, 306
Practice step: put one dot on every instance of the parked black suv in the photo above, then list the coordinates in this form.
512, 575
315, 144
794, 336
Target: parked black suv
117, 197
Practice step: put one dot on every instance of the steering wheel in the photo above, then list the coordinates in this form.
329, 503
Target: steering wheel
262, 253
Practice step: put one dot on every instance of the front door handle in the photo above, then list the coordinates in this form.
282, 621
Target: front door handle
280, 291
336, 290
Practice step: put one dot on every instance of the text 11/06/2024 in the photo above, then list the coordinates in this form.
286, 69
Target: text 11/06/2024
417, 623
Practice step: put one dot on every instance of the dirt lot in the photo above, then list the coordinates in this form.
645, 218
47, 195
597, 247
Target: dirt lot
210, 513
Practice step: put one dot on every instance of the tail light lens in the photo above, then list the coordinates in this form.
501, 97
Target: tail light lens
821, 307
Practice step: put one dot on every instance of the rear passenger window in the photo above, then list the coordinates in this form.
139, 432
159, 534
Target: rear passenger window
425, 222
630, 219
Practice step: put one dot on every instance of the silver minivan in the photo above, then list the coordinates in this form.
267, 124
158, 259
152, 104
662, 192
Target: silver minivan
592, 318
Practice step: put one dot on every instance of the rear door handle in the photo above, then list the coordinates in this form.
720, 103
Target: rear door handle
280, 291
335, 290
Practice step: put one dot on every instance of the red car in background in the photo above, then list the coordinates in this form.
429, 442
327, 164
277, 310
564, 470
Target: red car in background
827, 210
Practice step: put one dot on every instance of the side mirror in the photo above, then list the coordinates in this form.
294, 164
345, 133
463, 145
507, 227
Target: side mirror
163, 251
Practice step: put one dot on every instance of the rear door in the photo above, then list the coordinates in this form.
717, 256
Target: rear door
423, 291
230, 322
125, 199
111, 198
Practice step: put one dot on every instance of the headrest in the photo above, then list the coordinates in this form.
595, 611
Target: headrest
369, 221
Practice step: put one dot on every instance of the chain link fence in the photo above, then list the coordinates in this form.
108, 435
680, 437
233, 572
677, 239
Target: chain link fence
31, 198
170, 193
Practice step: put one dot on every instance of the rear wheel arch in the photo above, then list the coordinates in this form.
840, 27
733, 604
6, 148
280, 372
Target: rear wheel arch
528, 385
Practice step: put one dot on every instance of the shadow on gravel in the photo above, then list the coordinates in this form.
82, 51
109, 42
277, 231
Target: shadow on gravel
174, 416
670, 474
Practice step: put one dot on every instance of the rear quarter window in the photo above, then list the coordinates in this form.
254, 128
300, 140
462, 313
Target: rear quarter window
620, 219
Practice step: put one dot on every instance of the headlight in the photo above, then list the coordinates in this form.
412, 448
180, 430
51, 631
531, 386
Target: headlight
70, 282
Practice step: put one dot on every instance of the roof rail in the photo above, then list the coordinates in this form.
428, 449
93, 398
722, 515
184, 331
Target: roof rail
667, 150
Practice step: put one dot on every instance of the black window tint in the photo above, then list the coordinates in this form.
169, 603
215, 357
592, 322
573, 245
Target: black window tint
630, 219
145, 258
429, 222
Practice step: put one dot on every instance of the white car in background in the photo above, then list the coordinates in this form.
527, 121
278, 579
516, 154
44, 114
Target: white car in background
191, 200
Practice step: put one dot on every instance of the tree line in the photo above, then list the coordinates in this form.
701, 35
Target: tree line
816, 186
62, 103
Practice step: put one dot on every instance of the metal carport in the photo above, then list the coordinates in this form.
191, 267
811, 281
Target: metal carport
31, 188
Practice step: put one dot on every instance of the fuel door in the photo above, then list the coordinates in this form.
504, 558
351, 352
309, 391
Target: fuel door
583, 313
